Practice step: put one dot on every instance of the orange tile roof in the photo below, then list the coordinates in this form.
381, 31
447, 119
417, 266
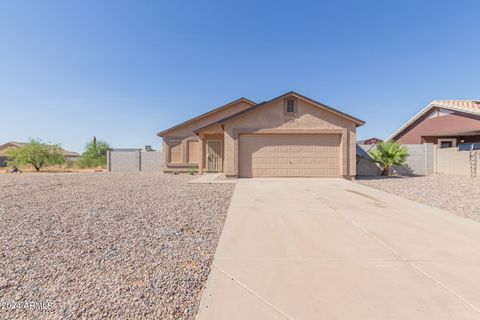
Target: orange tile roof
460, 105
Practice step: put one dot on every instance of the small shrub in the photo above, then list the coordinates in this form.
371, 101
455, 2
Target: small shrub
389, 154
192, 171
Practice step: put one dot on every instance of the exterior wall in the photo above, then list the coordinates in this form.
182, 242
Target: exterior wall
186, 133
428, 127
151, 161
134, 160
420, 162
123, 160
307, 119
452, 161
459, 139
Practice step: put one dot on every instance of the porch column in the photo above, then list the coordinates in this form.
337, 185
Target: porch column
201, 163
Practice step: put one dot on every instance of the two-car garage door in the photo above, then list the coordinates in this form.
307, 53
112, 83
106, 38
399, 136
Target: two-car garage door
289, 155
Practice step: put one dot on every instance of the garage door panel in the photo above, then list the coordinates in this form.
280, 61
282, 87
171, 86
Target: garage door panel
289, 155
332, 160
270, 172
307, 160
332, 172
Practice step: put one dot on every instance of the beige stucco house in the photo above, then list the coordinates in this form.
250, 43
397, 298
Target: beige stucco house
288, 136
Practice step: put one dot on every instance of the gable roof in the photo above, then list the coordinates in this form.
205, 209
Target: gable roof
299, 96
206, 114
465, 106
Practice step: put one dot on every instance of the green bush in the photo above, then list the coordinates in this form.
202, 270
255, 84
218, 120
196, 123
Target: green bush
36, 154
95, 155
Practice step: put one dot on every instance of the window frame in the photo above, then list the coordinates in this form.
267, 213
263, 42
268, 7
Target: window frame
286, 105
452, 140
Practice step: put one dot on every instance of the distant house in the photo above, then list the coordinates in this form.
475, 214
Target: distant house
69, 155
370, 141
446, 123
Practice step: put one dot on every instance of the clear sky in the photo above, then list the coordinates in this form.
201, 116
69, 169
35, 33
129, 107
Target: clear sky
124, 70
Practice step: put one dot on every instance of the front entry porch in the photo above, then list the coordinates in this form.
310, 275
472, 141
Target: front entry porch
212, 153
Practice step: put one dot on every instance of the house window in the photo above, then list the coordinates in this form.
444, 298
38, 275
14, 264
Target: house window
193, 152
176, 151
290, 106
447, 143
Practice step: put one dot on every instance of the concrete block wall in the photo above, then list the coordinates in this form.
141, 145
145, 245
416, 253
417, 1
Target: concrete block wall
452, 161
420, 162
151, 161
134, 160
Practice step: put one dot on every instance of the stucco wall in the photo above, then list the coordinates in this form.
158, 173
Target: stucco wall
272, 116
186, 132
433, 126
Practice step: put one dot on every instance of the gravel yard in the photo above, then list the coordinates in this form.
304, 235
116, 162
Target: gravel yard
457, 194
105, 245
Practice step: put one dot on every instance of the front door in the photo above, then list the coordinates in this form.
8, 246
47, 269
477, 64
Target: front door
214, 155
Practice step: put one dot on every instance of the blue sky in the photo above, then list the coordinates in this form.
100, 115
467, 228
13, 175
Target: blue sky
124, 70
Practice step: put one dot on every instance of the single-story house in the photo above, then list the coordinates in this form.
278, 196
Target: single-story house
69, 155
370, 141
446, 123
288, 136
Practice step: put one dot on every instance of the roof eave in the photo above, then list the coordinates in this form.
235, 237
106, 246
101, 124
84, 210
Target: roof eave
422, 112
161, 133
357, 121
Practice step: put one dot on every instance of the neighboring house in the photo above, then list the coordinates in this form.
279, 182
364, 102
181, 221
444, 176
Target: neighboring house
288, 136
370, 141
443, 122
69, 155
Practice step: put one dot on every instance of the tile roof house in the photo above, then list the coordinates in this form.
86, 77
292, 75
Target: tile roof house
443, 122
289, 135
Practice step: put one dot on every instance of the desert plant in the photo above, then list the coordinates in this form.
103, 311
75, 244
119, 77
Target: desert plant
37, 154
95, 154
192, 170
389, 154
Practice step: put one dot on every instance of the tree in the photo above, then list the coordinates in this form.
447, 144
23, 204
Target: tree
37, 154
95, 154
389, 154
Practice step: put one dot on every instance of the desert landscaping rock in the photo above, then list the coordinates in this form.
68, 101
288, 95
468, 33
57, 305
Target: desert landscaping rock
457, 194
106, 246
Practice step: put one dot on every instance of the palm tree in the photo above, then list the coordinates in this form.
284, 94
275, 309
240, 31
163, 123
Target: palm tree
389, 154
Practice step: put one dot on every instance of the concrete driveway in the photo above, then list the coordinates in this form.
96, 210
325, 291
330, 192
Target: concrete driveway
334, 249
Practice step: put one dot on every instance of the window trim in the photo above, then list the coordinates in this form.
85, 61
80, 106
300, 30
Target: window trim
452, 140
